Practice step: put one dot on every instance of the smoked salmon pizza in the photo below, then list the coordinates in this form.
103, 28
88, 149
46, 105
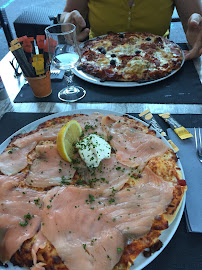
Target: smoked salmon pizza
121, 189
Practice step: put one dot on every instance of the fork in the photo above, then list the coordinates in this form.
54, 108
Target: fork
198, 143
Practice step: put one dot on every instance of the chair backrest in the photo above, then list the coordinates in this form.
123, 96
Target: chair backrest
5, 25
33, 21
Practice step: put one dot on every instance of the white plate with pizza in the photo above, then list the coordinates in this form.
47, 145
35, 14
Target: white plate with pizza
119, 205
128, 59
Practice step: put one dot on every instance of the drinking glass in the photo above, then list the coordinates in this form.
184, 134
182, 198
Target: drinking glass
64, 54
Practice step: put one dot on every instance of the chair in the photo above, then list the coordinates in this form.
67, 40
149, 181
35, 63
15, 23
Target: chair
5, 25
33, 21
176, 30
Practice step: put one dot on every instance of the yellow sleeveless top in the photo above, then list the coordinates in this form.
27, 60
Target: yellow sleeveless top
151, 16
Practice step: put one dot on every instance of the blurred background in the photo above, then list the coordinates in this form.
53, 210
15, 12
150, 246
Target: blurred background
41, 10
14, 8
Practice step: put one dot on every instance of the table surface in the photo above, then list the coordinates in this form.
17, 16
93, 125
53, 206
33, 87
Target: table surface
13, 86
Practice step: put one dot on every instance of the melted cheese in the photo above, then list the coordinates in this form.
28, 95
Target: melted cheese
135, 66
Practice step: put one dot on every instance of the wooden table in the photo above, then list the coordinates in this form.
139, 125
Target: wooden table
13, 86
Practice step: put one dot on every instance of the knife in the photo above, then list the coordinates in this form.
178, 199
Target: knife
147, 117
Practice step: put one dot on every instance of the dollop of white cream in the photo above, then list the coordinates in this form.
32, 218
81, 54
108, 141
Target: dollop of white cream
93, 149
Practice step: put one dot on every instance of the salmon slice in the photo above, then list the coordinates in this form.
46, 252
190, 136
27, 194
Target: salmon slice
133, 147
91, 123
83, 238
49, 169
82, 223
20, 211
109, 174
40, 135
14, 160
134, 209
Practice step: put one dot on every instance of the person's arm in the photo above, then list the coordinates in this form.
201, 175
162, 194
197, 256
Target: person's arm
75, 12
190, 13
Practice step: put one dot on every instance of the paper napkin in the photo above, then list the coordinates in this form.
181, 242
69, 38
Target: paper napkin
193, 175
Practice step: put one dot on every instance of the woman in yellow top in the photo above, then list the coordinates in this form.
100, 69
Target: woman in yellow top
152, 16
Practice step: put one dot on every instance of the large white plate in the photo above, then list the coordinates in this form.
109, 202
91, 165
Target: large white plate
166, 236
95, 80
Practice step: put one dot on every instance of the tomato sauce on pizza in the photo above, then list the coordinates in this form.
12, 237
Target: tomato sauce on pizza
138, 57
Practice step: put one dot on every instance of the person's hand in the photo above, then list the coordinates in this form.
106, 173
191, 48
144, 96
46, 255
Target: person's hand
194, 36
75, 18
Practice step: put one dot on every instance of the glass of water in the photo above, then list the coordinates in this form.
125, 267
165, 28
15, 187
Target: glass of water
64, 54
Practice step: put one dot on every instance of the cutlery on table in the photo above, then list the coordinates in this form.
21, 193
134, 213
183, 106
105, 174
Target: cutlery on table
198, 143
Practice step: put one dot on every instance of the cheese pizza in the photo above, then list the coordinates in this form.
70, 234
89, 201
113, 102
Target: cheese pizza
122, 188
137, 57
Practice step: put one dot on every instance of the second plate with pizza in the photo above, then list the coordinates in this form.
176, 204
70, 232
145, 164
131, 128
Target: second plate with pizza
128, 59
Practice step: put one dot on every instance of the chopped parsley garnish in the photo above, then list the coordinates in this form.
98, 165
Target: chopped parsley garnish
87, 127
36, 201
64, 180
60, 163
111, 200
79, 182
93, 241
27, 217
23, 224
119, 250
91, 198
110, 138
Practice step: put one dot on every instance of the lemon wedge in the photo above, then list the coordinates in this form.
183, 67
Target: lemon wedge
67, 137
